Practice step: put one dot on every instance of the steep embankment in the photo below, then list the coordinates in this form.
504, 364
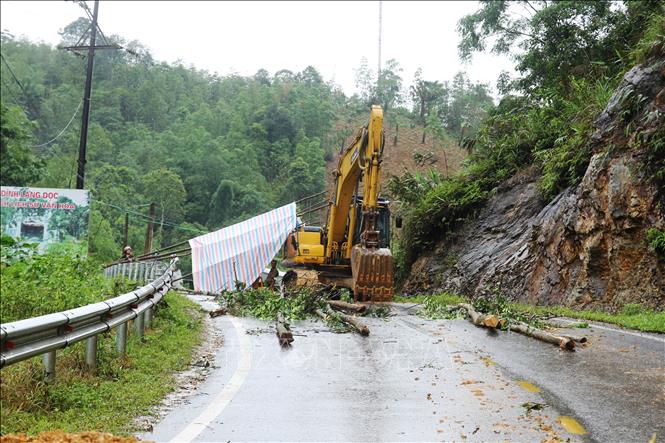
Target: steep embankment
587, 247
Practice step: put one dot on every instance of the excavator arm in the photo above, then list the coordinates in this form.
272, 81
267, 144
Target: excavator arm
371, 266
360, 160
337, 248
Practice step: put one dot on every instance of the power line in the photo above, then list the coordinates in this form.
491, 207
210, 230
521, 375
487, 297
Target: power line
10, 91
63, 129
11, 71
25, 94
145, 217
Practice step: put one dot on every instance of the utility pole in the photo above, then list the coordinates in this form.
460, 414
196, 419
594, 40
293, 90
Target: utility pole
378, 70
91, 47
148, 235
83, 144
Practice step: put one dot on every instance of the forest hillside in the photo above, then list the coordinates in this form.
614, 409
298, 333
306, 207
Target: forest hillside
563, 198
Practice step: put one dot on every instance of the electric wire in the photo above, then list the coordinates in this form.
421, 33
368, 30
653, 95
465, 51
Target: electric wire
145, 217
63, 129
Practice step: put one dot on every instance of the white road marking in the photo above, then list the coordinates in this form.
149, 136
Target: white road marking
618, 331
217, 405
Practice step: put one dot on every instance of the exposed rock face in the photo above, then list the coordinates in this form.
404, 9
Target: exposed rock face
588, 246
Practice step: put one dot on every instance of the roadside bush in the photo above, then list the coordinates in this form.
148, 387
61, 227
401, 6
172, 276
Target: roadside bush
656, 239
32, 285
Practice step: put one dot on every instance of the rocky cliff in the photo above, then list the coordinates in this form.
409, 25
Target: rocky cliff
587, 247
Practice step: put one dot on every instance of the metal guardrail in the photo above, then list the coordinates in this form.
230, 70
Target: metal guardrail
137, 271
23, 339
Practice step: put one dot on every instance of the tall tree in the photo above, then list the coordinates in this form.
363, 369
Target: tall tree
553, 42
424, 95
389, 85
18, 164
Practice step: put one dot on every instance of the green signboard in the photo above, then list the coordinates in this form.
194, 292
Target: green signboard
52, 218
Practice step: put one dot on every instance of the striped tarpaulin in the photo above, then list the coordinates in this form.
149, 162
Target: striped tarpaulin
241, 251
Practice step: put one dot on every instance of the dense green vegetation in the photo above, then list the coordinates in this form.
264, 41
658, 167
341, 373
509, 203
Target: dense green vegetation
32, 285
207, 149
570, 57
656, 241
119, 391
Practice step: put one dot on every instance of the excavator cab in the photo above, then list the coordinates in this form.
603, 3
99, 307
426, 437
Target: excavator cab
382, 222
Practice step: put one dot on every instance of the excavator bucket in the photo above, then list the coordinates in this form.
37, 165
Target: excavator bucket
372, 270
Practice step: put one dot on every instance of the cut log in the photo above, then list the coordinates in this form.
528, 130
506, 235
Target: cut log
206, 293
348, 319
478, 319
284, 335
218, 312
357, 325
339, 305
563, 342
323, 315
577, 339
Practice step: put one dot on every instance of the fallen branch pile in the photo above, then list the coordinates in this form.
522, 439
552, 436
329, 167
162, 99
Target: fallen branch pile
293, 303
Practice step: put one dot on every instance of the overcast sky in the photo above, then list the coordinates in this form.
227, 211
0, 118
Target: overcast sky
242, 37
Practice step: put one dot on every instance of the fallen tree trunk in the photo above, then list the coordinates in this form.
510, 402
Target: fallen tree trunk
575, 338
478, 319
284, 335
339, 305
358, 326
206, 293
348, 319
217, 312
563, 342
323, 315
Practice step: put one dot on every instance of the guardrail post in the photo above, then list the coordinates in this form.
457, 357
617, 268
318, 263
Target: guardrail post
121, 339
139, 325
49, 365
148, 317
91, 353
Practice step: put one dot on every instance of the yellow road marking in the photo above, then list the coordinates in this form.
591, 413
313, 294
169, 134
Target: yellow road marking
488, 361
571, 425
528, 386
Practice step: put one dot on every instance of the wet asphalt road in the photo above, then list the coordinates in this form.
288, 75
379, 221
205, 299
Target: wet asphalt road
420, 380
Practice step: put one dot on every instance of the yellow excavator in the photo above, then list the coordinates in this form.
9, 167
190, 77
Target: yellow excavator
353, 249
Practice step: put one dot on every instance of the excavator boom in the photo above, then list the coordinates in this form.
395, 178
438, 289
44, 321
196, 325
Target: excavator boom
356, 233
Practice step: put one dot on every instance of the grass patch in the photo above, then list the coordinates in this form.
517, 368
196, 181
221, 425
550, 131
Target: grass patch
631, 316
444, 298
121, 390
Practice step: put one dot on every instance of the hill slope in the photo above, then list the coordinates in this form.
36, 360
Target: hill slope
587, 247
404, 151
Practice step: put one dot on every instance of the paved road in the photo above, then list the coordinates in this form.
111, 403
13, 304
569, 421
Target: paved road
421, 380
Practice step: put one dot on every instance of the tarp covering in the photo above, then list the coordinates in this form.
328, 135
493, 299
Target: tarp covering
241, 251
